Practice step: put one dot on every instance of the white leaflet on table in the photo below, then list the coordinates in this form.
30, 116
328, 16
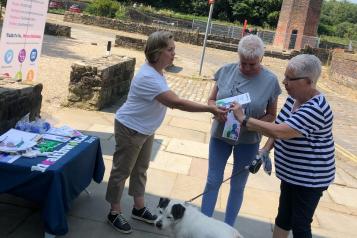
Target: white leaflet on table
241, 99
55, 138
64, 131
14, 141
231, 127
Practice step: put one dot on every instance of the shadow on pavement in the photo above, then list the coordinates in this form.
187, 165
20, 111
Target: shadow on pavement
56, 47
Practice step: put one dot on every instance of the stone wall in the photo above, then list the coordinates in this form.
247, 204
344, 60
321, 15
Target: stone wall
129, 42
343, 69
57, 30
185, 36
17, 100
323, 54
97, 83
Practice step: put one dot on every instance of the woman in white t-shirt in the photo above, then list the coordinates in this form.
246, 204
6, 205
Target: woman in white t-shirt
135, 124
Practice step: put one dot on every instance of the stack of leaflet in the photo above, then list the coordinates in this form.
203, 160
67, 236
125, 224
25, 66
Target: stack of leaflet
14, 141
64, 131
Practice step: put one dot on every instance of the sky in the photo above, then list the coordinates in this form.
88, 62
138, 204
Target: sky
354, 1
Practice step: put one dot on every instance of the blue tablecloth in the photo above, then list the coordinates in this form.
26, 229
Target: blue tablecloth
55, 188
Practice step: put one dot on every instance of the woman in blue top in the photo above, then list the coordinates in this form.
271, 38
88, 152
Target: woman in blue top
246, 76
303, 146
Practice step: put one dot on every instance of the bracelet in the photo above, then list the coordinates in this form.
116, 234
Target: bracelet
245, 121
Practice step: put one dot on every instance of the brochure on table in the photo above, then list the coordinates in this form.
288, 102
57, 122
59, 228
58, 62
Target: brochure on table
15, 140
17, 143
232, 126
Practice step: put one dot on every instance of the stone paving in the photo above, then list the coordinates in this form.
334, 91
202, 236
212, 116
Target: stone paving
179, 160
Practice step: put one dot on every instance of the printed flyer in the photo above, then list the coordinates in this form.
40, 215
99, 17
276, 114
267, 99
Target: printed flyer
232, 126
21, 38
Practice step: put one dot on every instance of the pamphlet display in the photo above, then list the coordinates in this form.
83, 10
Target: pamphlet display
21, 38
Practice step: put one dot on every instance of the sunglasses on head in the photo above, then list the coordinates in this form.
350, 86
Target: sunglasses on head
293, 79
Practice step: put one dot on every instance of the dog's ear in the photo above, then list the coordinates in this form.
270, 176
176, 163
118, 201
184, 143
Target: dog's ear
177, 211
163, 202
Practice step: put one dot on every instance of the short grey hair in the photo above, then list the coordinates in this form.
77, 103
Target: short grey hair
251, 47
306, 65
155, 44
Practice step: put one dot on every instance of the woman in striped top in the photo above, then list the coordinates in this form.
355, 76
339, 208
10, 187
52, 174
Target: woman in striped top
303, 145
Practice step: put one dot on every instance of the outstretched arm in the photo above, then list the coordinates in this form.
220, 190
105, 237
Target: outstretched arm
281, 131
171, 100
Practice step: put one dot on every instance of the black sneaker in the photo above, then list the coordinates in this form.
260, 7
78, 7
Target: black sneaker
143, 214
119, 223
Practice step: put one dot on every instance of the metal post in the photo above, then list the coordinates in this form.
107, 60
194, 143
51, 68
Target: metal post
205, 40
350, 46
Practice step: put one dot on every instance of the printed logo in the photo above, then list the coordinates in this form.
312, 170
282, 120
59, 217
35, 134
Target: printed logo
22, 55
9, 55
30, 75
33, 55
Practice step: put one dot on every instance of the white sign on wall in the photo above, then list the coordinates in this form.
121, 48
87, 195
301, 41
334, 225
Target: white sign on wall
21, 38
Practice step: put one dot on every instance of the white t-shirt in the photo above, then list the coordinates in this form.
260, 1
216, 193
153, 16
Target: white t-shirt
141, 111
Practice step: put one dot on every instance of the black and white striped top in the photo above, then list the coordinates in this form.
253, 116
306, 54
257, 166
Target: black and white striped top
307, 161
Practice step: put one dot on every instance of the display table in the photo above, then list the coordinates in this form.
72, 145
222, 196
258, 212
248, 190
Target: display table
61, 182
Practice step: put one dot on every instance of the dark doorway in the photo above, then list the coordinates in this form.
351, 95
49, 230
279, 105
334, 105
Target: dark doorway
293, 39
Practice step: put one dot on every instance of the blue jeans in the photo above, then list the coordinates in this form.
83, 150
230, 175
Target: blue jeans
219, 152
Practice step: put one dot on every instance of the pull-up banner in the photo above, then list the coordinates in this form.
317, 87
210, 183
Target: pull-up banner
21, 38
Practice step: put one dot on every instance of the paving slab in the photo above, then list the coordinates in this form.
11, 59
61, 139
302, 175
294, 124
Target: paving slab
171, 162
256, 202
160, 183
198, 116
187, 187
337, 222
343, 195
188, 148
191, 124
349, 181
264, 182
186, 134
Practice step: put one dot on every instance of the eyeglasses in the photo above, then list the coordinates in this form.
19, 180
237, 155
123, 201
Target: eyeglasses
294, 79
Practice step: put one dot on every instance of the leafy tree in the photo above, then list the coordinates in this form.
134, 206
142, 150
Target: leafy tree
339, 18
106, 8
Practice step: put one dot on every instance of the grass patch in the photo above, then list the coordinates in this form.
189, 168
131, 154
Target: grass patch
59, 11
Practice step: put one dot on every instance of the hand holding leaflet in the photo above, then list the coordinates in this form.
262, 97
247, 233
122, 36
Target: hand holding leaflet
232, 126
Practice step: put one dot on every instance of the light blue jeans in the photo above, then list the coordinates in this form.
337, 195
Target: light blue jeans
219, 152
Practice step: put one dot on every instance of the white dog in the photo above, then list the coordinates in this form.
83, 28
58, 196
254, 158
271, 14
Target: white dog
187, 222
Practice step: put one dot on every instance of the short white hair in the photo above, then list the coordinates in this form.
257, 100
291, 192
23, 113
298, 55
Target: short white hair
306, 65
251, 47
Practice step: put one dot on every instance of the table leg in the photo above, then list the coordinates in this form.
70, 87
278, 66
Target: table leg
87, 192
48, 235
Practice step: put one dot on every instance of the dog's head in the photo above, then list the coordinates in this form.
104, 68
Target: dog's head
170, 212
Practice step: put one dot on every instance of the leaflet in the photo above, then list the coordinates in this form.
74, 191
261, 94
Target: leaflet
241, 99
232, 126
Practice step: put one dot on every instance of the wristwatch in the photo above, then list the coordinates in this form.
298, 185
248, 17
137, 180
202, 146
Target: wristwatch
245, 120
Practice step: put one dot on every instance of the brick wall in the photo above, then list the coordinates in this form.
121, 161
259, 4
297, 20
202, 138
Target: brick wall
300, 15
343, 69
